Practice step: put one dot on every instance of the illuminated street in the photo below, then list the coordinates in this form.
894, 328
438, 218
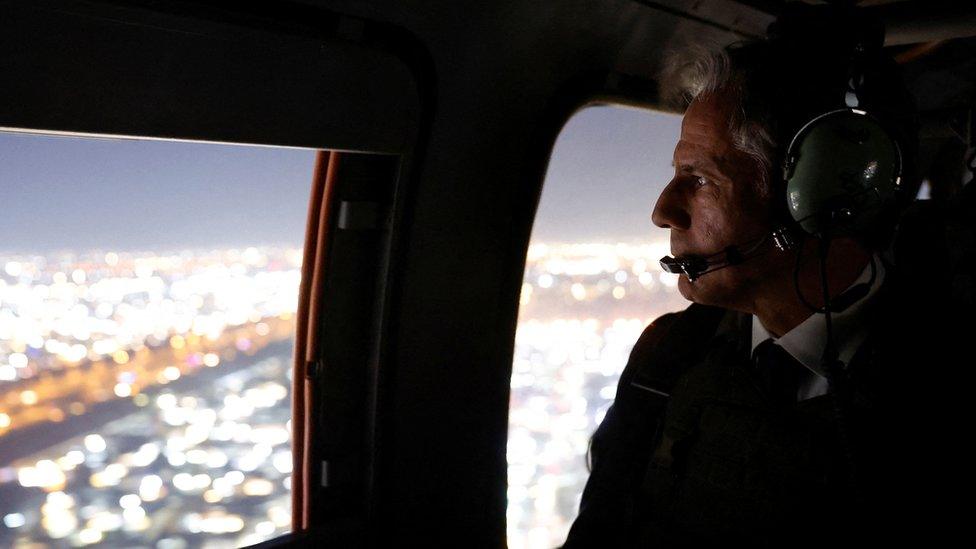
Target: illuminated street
145, 399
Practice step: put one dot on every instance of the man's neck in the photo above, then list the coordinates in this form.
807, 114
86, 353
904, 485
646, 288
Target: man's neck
779, 308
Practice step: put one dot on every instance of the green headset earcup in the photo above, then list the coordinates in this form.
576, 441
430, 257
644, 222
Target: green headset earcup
842, 169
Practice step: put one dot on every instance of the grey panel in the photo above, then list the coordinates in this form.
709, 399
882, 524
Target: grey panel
96, 69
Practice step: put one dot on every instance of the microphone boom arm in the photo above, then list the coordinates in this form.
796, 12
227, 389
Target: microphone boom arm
694, 266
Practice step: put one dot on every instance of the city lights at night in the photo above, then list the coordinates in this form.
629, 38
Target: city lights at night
108, 434
574, 335
146, 397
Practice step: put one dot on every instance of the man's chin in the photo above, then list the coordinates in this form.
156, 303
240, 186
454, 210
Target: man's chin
698, 291
686, 288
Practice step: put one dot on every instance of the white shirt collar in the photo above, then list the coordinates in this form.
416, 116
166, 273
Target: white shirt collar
805, 342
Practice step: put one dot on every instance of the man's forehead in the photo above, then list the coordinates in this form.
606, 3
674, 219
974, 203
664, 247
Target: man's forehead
704, 130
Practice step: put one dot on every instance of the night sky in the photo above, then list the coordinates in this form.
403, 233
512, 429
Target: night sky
69, 193
607, 169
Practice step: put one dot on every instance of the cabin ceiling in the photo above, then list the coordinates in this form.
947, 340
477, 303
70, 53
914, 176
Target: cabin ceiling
906, 21
934, 41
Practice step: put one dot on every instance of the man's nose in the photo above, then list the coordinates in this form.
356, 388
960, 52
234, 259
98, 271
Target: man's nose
671, 212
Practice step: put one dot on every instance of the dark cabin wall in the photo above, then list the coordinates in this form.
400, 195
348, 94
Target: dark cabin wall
167, 70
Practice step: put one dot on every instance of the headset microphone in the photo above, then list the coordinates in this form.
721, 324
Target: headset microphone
694, 266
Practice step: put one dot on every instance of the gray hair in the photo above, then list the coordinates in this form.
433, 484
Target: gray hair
775, 86
778, 84
699, 70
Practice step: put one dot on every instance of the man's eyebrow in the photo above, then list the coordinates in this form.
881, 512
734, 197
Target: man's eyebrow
685, 166
695, 165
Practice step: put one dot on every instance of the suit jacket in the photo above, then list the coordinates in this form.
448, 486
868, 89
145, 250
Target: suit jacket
693, 453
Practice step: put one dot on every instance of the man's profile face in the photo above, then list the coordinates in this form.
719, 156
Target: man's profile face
714, 200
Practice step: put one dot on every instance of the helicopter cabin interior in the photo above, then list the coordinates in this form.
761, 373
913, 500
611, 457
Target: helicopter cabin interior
436, 121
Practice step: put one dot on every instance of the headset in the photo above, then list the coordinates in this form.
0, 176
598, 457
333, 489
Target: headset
842, 173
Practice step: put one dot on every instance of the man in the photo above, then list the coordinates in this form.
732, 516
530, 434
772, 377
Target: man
725, 428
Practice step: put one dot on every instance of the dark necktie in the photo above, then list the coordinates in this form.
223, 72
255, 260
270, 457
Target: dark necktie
778, 372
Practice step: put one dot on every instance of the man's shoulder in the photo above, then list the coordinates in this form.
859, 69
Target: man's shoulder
696, 320
668, 344
654, 332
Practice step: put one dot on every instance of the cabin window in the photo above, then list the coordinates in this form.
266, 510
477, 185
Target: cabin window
148, 293
592, 283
